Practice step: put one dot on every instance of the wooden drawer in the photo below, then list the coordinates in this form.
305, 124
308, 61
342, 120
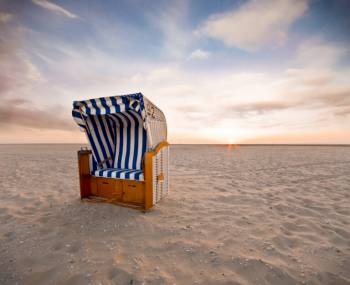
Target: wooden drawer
133, 192
109, 188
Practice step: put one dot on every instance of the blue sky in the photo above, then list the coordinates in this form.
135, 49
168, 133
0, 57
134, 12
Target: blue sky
223, 71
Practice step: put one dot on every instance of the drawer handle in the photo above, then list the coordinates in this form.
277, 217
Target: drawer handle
133, 186
105, 183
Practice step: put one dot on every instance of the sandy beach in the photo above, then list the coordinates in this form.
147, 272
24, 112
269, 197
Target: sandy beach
234, 215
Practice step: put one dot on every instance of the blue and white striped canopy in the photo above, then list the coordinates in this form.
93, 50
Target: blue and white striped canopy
115, 128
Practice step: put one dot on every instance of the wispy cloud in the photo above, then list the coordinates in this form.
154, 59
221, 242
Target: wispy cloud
170, 20
55, 8
319, 53
18, 77
19, 112
5, 17
17, 72
332, 98
337, 97
260, 108
255, 24
199, 54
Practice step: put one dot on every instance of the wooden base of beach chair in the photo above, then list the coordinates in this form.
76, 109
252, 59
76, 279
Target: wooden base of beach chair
123, 192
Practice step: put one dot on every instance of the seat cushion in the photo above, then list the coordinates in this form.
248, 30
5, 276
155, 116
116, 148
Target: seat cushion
131, 174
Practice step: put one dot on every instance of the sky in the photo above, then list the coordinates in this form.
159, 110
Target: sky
267, 71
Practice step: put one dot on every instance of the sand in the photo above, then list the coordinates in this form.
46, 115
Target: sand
246, 215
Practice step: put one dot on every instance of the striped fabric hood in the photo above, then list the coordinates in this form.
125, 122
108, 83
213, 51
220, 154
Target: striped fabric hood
116, 130
106, 106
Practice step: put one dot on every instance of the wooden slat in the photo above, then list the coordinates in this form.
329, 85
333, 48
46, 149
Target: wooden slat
84, 173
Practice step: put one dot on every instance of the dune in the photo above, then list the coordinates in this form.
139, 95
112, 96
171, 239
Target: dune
234, 215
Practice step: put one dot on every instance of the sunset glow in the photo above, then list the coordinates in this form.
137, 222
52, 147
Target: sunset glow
222, 71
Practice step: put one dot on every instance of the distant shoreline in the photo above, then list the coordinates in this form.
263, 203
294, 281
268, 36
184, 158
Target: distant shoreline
179, 144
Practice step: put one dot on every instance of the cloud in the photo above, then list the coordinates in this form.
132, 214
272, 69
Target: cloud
343, 112
318, 53
18, 78
199, 54
310, 76
20, 112
170, 21
260, 108
55, 8
336, 97
17, 72
333, 98
255, 24
5, 17
235, 110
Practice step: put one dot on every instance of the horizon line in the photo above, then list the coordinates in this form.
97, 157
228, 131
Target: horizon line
208, 144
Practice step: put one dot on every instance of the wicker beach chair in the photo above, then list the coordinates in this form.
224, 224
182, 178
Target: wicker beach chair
129, 156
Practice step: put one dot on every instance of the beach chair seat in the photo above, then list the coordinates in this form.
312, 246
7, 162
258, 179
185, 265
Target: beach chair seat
131, 174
